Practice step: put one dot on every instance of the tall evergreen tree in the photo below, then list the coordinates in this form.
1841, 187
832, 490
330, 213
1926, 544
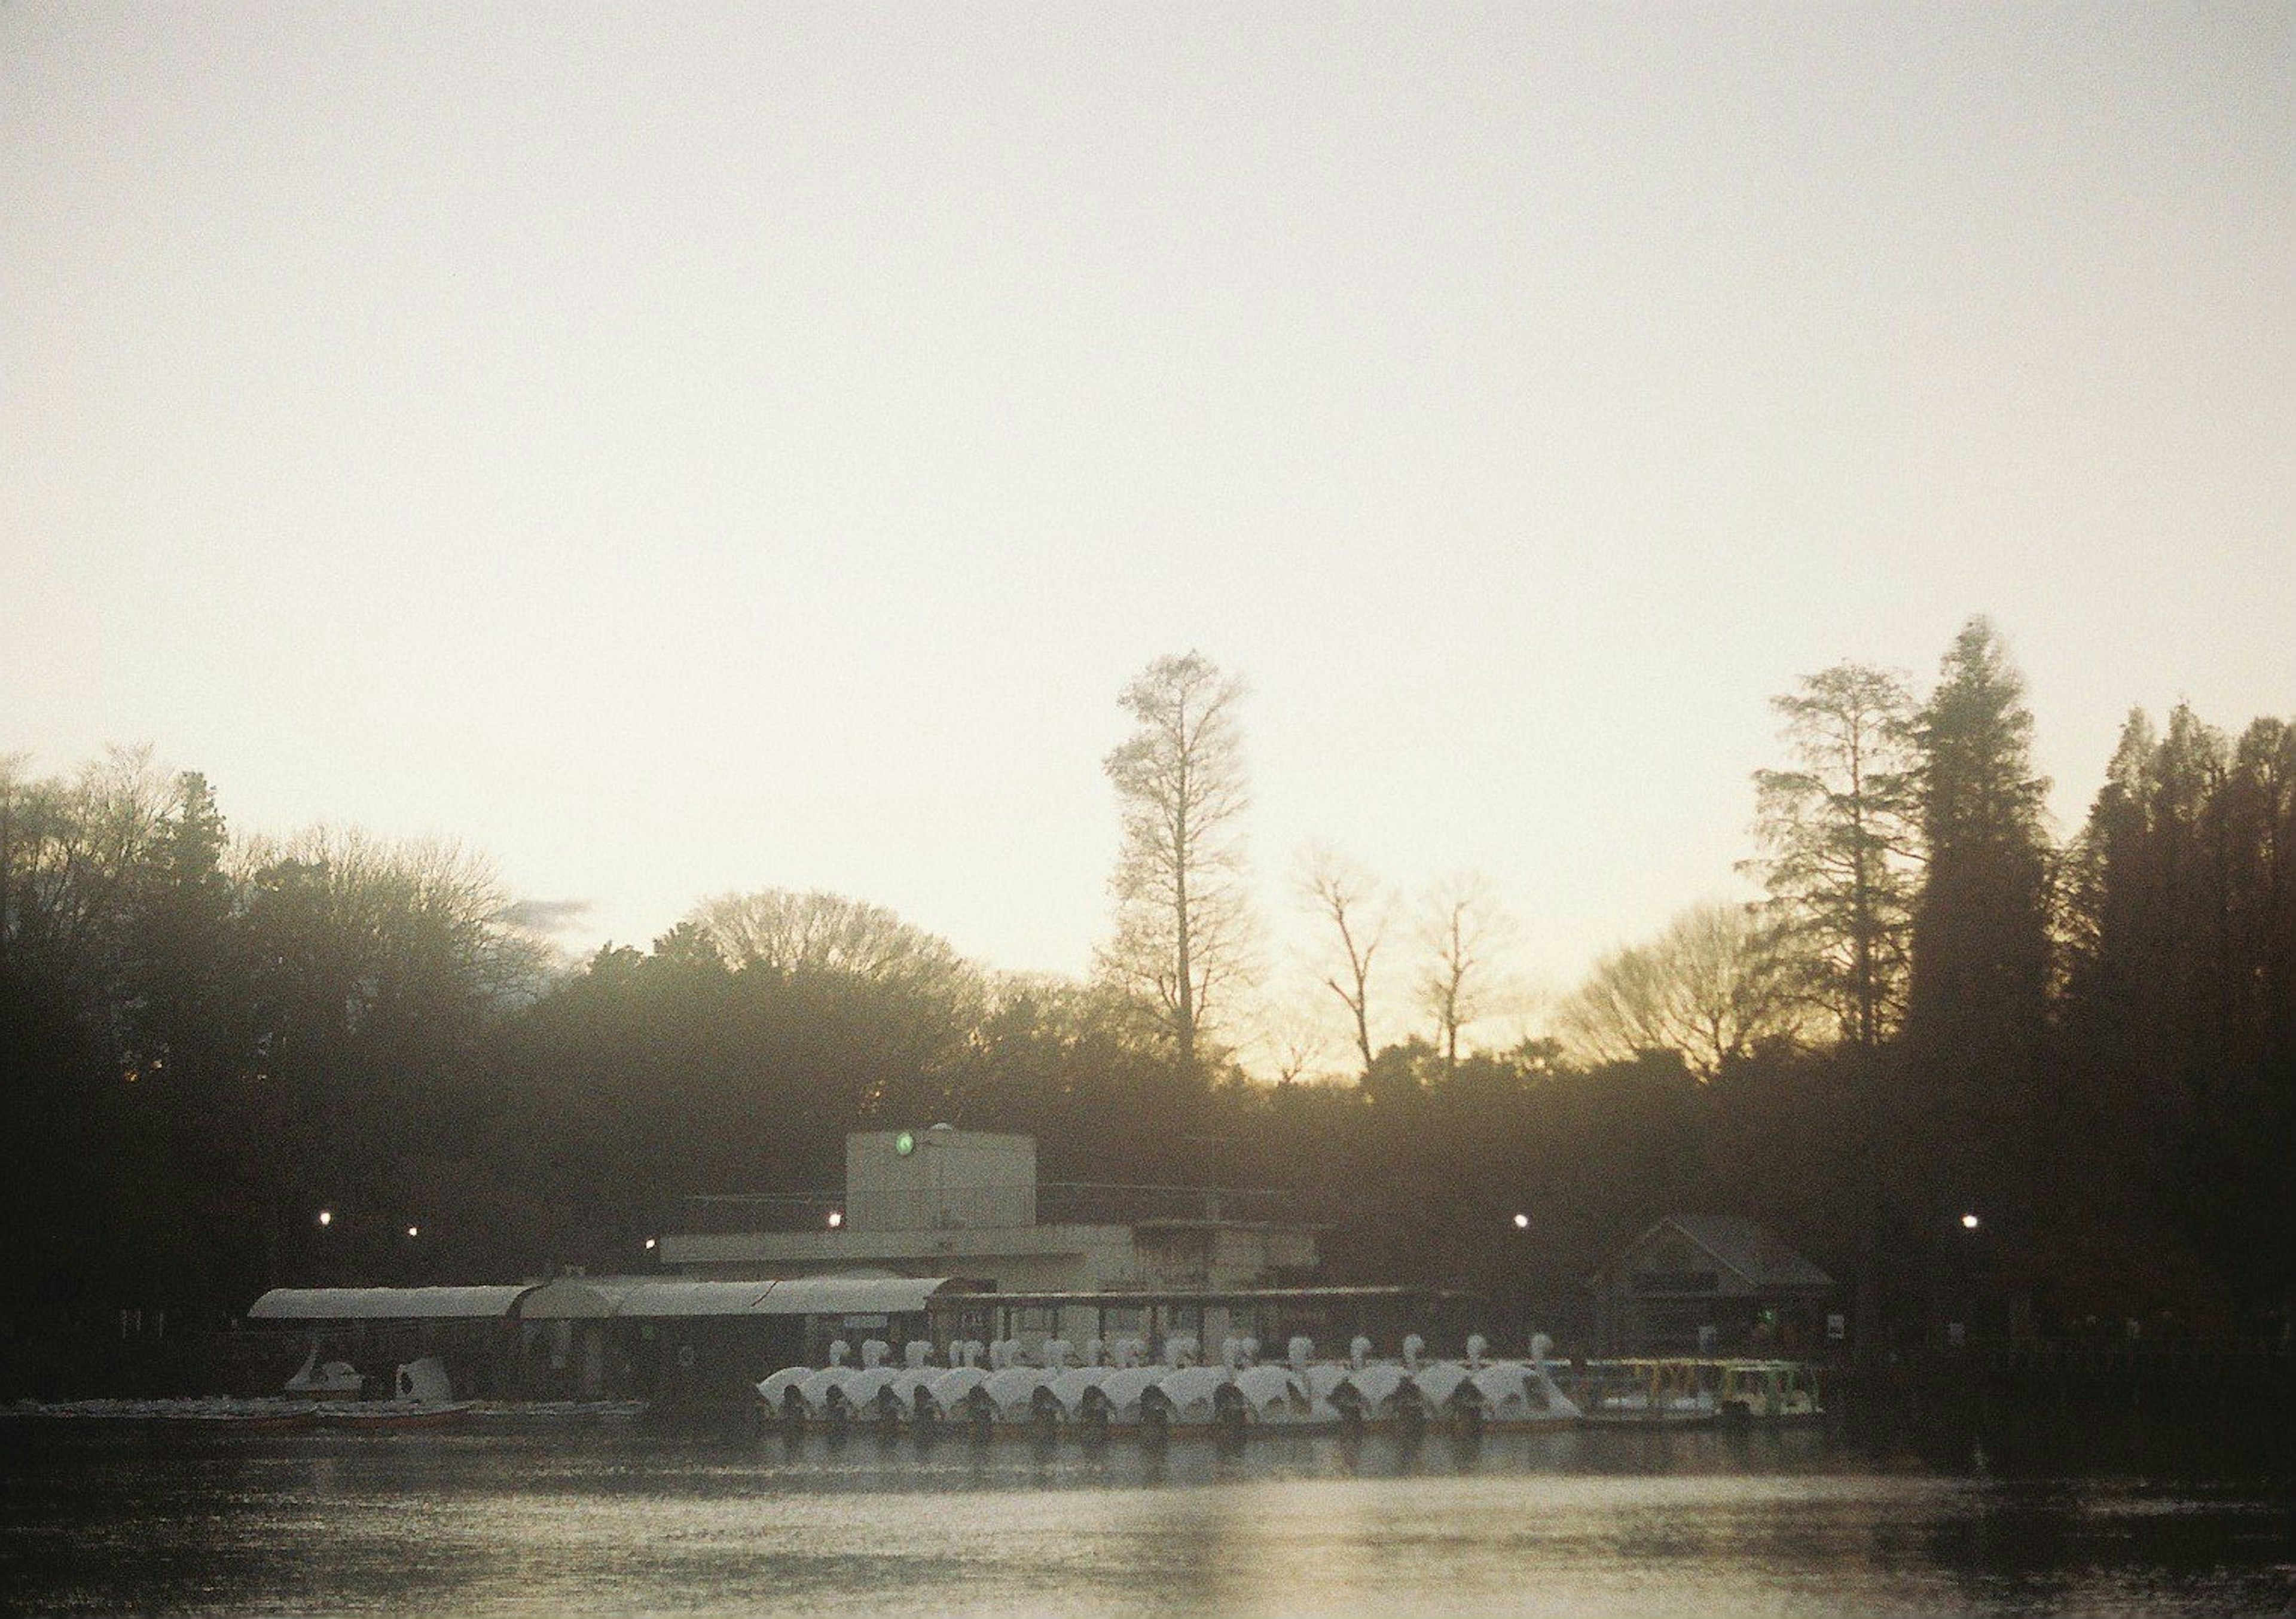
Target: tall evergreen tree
2152, 985
2259, 810
183, 951
1978, 995
1978, 999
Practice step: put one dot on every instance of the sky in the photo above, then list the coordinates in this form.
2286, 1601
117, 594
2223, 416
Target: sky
683, 449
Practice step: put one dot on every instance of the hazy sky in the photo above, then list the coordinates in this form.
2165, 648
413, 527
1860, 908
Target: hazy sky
680, 448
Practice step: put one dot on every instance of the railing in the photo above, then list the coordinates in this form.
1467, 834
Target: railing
725, 1214
1057, 1203
2125, 1357
1113, 1203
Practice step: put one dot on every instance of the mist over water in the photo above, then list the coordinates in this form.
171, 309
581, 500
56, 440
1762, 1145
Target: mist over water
1586, 1523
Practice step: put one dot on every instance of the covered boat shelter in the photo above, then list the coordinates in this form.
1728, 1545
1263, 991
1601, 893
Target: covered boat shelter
470, 1329
687, 1341
675, 1340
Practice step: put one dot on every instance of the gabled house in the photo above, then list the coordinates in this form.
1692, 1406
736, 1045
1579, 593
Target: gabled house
1713, 1284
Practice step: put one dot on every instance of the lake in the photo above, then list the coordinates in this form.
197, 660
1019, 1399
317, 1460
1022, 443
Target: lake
100, 1517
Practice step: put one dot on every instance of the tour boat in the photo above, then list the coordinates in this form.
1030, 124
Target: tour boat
1684, 1392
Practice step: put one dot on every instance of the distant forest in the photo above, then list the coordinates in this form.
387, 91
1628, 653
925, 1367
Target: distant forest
1938, 1008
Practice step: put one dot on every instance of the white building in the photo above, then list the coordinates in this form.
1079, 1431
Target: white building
966, 1203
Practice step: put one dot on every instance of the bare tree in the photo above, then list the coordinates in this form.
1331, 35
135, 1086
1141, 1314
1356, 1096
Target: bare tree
1713, 986
1359, 906
71, 850
1465, 933
1184, 931
395, 920
1295, 1041
792, 933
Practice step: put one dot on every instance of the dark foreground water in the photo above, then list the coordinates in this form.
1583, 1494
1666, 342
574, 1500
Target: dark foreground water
1599, 1523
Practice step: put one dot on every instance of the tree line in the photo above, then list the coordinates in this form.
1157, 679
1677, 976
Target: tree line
1935, 1008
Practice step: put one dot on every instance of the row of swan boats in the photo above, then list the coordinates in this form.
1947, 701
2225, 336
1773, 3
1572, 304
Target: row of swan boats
1007, 1388
1002, 1388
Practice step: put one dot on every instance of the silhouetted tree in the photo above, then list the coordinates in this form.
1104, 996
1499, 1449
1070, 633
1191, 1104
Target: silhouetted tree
1464, 932
1711, 989
2177, 919
1978, 999
1358, 907
1184, 927
1839, 833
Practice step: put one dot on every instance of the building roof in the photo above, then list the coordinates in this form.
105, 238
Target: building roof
1142, 1298
385, 1303
639, 1297
851, 1295
643, 1298
1747, 1248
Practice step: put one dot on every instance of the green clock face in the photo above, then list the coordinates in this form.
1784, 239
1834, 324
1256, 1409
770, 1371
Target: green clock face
905, 1143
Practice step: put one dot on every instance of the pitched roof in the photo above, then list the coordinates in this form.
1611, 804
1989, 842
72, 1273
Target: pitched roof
1752, 1249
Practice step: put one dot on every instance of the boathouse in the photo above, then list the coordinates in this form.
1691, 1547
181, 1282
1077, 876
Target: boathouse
968, 1205
928, 1224
926, 1220
1711, 1284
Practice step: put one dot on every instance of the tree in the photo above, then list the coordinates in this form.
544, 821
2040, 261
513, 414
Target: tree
2178, 922
184, 961
1359, 907
1713, 987
1295, 1041
2259, 809
74, 853
1840, 836
375, 969
900, 1001
1184, 932
1465, 931
1977, 999
794, 936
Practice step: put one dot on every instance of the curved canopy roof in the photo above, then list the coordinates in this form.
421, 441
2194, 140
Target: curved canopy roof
851, 1295
385, 1303
590, 1298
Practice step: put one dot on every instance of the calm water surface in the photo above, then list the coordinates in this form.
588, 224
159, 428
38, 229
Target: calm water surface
1600, 1523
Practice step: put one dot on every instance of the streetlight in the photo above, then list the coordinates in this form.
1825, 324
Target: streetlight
1523, 1223
650, 1245
1957, 1333
326, 1217
414, 1231
836, 1218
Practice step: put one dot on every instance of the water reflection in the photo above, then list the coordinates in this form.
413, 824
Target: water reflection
1574, 1522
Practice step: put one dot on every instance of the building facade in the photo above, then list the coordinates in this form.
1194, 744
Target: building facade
1710, 1284
966, 1203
